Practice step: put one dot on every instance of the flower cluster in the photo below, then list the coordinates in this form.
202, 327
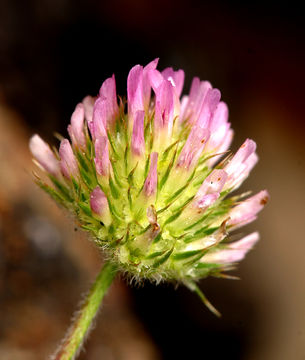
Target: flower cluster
148, 182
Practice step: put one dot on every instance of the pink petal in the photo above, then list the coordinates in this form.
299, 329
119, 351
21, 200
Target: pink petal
220, 117
135, 90
246, 211
68, 163
137, 141
98, 125
209, 105
164, 109
146, 82
155, 79
246, 243
235, 252
224, 256
76, 129
99, 205
207, 200
213, 183
223, 147
105, 108
44, 155
88, 103
101, 160
219, 127
150, 185
193, 147
176, 77
241, 164
196, 99
247, 148
108, 91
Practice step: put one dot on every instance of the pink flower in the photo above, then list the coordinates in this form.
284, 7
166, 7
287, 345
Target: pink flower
210, 190
191, 105
241, 164
88, 103
139, 88
159, 198
76, 129
99, 206
68, 163
176, 78
246, 211
44, 155
234, 252
108, 93
193, 148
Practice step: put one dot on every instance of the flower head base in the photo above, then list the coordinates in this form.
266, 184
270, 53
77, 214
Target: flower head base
143, 183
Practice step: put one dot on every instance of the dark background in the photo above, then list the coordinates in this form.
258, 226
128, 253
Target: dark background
52, 54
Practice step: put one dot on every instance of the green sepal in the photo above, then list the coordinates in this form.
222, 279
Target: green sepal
82, 161
172, 218
194, 287
112, 146
154, 255
87, 179
86, 209
163, 259
57, 197
167, 172
167, 150
62, 188
187, 254
114, 191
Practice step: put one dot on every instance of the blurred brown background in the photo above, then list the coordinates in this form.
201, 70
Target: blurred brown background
52, 54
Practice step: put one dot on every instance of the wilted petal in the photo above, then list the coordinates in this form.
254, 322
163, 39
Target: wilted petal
44, 155
76, 129
68, 163
99, 206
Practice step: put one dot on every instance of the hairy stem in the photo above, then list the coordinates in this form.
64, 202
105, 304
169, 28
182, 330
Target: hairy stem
83, 320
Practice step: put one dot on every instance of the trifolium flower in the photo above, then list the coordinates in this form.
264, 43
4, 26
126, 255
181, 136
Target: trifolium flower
146, 179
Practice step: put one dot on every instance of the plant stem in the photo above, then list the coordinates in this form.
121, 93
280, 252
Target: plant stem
83, 320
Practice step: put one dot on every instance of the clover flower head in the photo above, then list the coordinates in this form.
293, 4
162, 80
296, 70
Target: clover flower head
145, 177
